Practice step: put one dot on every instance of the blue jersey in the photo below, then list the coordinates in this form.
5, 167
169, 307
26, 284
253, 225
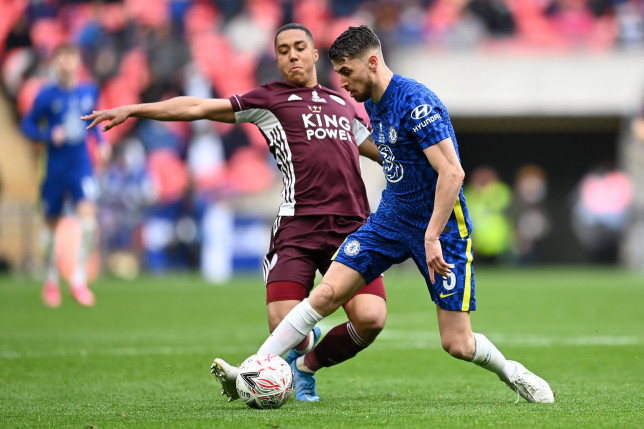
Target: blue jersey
59, 106
408, 119
68, 168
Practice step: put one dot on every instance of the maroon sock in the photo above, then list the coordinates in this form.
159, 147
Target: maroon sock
339, 344
302, 345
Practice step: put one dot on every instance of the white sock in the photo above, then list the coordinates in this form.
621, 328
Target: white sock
292, 330
300, 365
86, 247
49, 254
489, 357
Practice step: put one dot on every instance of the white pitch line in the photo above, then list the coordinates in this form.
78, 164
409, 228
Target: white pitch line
423, 339
121, 351
388, 339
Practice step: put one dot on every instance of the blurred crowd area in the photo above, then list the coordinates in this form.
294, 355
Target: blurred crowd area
140, 50
512, 221
167, 190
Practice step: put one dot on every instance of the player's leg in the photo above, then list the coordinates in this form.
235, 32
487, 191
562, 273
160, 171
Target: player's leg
282, 297
367, 313
338, 284
365, 254
277, 310
51, 289
366, 309
84, 193
459, 341
289, 271
52, 204
292, 330
454, 298
86, 215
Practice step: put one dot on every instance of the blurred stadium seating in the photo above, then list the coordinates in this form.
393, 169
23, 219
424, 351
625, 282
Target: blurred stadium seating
547, 82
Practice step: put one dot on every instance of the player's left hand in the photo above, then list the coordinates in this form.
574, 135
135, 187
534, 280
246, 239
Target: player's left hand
114, 116
434, 258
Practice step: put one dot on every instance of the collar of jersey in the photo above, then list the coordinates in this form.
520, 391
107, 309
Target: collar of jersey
389, 91
294, 86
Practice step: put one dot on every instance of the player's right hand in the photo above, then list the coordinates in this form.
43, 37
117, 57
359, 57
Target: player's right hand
58, 135
434, 259
114, 116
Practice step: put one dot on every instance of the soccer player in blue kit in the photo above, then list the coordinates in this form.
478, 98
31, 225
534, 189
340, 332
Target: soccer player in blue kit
54, 120
422, 215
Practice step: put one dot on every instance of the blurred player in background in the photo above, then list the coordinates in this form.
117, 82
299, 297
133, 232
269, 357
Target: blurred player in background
54, 122
422, 215
316, 137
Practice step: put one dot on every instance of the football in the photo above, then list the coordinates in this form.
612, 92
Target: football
265, 381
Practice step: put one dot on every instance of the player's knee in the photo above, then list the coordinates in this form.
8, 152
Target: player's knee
456, 348
324, 299
369, 323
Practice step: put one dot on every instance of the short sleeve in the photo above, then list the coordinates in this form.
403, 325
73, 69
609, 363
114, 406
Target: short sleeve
257, 98
426, 119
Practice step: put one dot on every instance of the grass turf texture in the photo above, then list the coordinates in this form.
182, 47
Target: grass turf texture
141, 357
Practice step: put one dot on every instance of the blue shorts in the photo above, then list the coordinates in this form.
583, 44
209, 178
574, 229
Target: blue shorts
378, 245
77, 187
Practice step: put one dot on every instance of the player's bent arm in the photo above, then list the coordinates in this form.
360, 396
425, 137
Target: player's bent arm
442, 157
174, 109
30, 124
369, 149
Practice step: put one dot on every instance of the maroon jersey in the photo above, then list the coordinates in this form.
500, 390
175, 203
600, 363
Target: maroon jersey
314, 134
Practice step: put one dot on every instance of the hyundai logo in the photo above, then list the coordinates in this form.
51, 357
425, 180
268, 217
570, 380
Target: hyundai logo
421, 111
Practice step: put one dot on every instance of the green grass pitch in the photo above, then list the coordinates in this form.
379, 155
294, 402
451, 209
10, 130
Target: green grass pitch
141, 356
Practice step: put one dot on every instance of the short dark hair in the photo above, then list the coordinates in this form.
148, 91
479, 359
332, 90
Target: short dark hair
293, 26
353, 43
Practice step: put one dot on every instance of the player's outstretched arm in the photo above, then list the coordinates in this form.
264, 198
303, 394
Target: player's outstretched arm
174, 109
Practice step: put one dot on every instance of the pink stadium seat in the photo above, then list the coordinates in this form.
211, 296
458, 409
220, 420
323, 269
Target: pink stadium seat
47, 34
442, 16
313, 14
200, 19
11, 11
148, 13
266, 13
112, 16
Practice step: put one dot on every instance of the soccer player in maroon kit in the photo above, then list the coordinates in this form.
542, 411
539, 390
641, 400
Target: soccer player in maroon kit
316, 137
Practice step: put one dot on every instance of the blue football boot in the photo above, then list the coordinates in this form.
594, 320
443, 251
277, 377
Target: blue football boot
304, 385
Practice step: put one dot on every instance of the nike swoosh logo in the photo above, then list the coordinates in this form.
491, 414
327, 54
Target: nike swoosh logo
442, 295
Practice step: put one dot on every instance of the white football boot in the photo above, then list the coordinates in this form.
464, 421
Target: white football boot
227, 376
529, 385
